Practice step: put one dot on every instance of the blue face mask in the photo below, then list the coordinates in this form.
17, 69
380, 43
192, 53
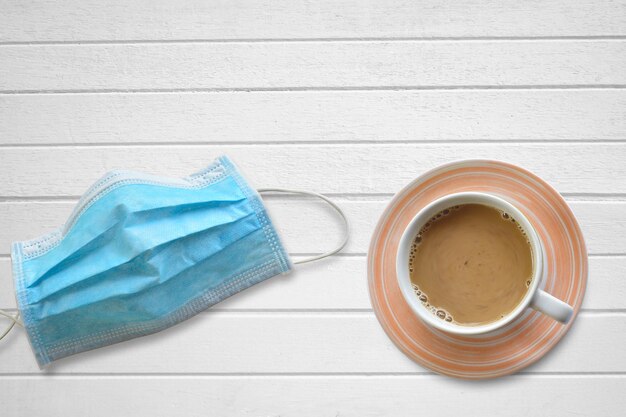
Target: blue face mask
141, 253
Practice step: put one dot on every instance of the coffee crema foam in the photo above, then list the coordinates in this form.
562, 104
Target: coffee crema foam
471, 264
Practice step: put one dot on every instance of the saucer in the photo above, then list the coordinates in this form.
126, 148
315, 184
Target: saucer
523, 341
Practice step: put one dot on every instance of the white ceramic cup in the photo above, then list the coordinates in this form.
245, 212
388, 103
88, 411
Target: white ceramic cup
535, 297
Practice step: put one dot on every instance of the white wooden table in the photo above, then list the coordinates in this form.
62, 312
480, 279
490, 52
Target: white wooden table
350, 98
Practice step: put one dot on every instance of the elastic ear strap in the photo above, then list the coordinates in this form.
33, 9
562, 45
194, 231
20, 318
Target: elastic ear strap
14, 320
332, 204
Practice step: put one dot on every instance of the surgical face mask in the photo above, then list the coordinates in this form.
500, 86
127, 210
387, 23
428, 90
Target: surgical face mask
141, 253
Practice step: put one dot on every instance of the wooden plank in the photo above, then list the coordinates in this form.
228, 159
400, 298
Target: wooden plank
309, 226
288, 65
508, 74
341, 284
311, 396
289, 342
90, 20
313, 116
362, 168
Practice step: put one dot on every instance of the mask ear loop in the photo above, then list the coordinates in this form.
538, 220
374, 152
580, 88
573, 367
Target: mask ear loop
15, 320
332, 204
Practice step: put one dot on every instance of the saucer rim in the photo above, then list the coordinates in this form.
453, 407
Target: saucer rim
440, 169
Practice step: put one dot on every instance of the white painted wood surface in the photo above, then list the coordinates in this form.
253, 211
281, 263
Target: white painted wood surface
119, 20
198, 66
351, 98
315, 116
573, 168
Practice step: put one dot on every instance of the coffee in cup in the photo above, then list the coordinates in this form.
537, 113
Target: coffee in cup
471, 264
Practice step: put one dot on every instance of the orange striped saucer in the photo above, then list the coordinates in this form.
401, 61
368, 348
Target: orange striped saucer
525, 340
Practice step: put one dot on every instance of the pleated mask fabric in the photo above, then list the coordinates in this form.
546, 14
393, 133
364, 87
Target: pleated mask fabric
141, 253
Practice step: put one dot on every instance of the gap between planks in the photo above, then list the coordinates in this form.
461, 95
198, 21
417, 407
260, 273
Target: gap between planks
380, 197
335, 312
313, 142
311, 375
319, 40
598, 86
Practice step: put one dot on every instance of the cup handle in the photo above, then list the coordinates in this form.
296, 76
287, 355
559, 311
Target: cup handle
552, 306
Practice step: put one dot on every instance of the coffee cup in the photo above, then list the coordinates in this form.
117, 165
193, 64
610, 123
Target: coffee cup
535, 297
